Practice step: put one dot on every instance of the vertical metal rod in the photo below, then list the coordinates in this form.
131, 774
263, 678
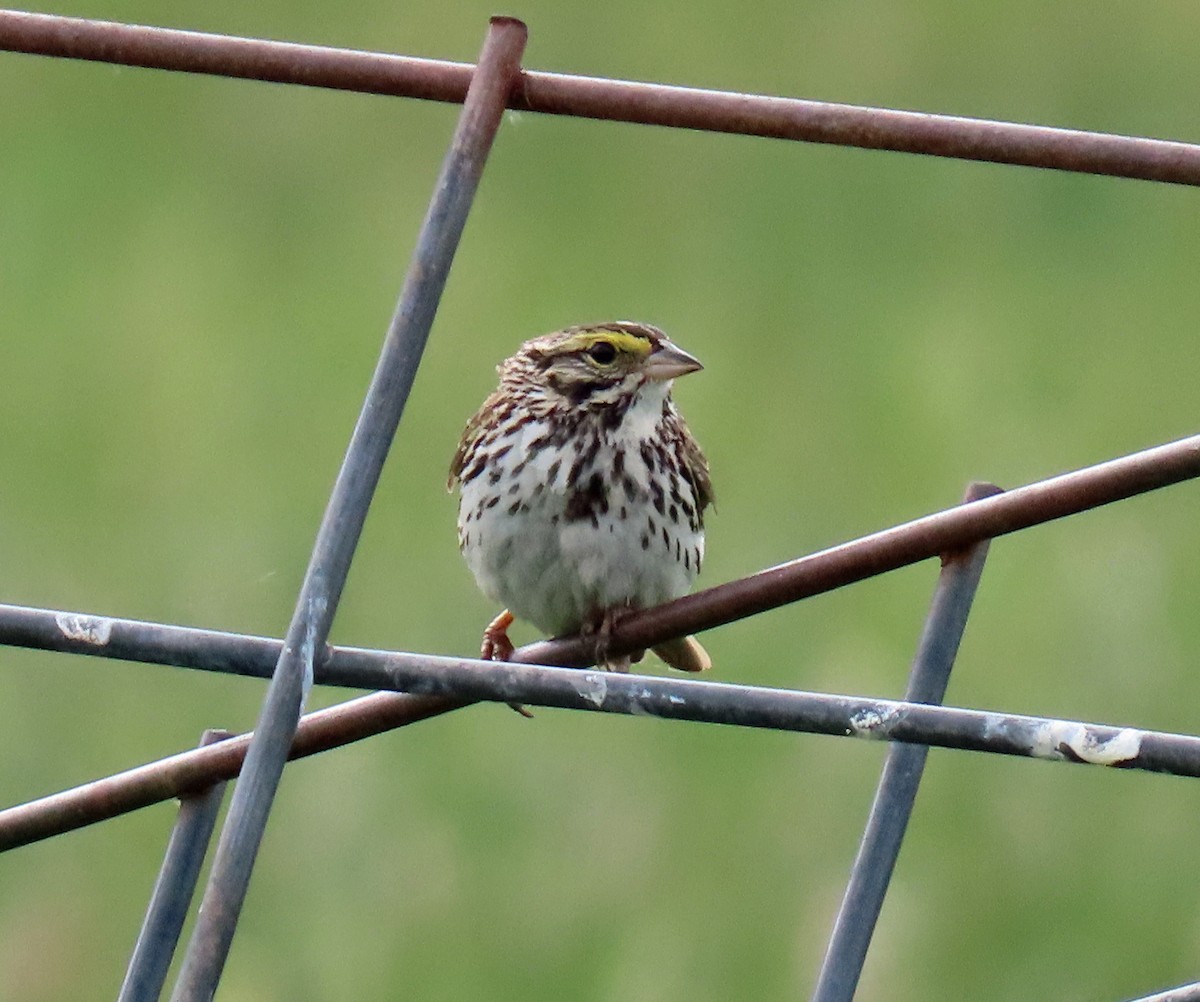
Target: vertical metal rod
897, 790
173, 890
494, 79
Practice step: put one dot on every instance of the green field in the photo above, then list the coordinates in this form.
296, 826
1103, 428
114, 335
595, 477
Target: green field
195, 277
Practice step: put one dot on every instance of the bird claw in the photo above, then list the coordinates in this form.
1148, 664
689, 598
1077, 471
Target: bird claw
603, 640
497, 647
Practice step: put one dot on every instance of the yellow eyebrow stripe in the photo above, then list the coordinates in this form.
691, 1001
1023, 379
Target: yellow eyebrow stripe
629, 344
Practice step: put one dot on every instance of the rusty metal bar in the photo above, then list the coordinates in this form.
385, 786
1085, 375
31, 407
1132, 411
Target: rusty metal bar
678, 107
436, 685
129, 639
231, 56
888, 550
172, 894
337, 538
191, 771
615, 100
902, 771
927, 537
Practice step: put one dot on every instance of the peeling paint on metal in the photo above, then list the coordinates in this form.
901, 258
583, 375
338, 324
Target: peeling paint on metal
1059, 739
642, 704
593, 687
1126, 744
308, 648
94, 630
871, 722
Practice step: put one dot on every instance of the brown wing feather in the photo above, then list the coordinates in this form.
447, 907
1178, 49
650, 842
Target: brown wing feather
695, 467
471, 435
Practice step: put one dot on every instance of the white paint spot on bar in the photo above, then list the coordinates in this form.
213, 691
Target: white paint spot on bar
642, 704
94, 630
1059, 739
308, 647
868, 723
1126, 744
593, 687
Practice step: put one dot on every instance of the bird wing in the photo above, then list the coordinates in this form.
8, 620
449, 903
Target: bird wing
695, 466
471, 435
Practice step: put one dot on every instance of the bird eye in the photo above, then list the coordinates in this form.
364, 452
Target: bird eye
602, 353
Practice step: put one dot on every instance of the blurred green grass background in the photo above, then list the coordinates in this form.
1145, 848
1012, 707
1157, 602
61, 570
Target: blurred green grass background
195, 275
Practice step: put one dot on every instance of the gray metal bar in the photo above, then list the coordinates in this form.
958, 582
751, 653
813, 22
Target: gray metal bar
902, 770
1184, 993
617, 100
447, 684
497, 73
173, 890
814, 574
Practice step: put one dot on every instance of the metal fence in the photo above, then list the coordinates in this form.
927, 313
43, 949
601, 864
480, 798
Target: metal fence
554, 672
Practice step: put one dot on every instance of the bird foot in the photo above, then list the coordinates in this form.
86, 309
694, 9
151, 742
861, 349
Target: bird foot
602, 631
497, 647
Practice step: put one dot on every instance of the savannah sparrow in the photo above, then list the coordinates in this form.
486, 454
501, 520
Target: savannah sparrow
582, 492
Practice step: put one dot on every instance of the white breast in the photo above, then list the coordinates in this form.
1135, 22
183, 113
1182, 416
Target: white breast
531, 550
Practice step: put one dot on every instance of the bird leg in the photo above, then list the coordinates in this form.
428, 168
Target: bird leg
497, 647
602, 631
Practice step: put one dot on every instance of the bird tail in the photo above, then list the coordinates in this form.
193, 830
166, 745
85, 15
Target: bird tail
685, 654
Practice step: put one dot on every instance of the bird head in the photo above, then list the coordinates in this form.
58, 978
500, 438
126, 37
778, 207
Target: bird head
598, 364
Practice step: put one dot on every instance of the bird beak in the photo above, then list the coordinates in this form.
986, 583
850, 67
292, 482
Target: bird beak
668, 361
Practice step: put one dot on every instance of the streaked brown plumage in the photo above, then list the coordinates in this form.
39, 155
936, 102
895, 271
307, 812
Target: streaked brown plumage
582, 492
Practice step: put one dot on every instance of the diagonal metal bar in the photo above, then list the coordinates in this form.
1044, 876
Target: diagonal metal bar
442, 684
337, 538
129, 639
902, 770
1184, 993
190, 771
173, 890
689, 108
615, 100
887, 550
856, 560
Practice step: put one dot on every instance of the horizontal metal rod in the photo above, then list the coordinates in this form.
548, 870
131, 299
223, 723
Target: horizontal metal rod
953, 529
616, 100
795, 710
440, 684
213, 650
